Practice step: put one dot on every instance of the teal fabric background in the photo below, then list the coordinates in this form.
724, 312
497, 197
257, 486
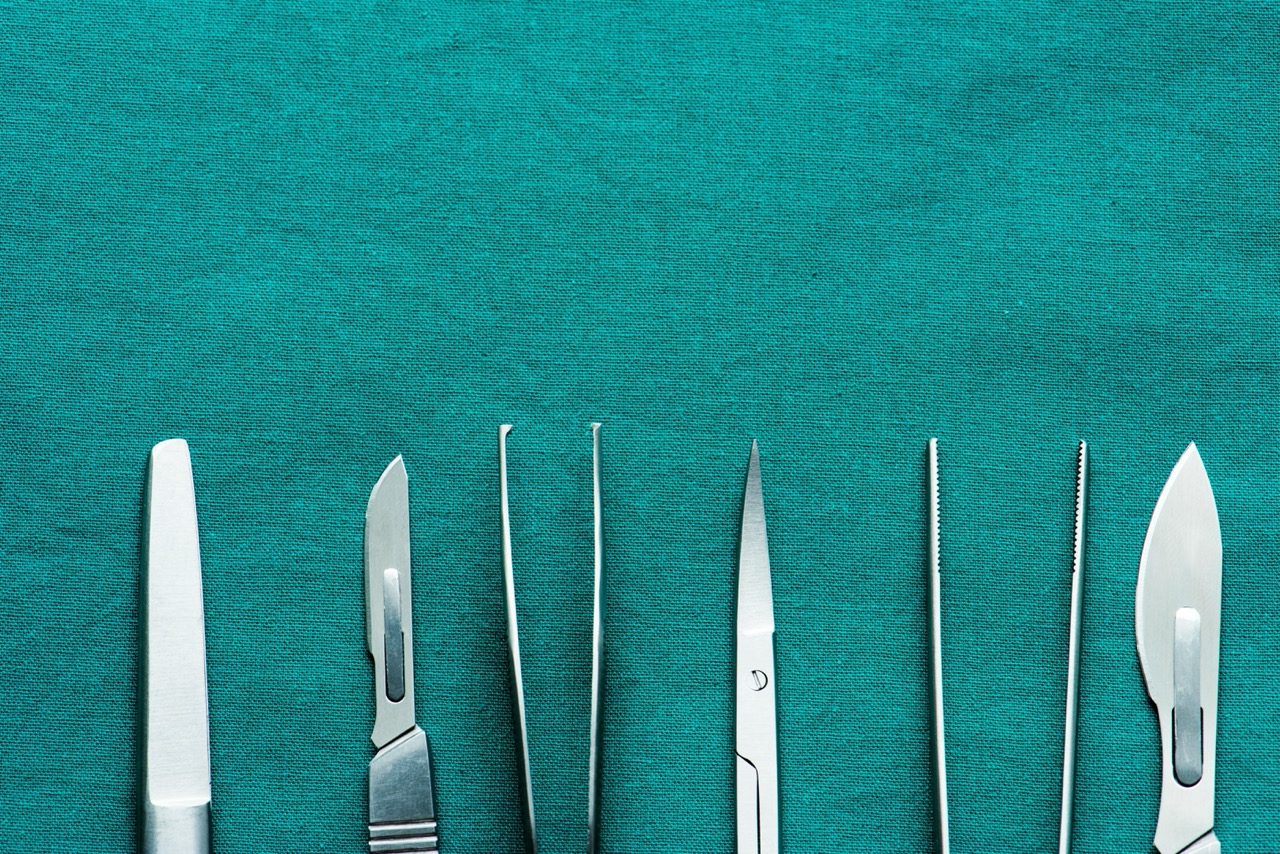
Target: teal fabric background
308, 237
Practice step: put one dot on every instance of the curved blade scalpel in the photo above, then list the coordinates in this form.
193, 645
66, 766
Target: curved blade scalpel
1178, 610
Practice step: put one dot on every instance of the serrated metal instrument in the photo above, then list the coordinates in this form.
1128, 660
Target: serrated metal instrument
1178, 609
175, 731
1067, 815
938, 741
402, 812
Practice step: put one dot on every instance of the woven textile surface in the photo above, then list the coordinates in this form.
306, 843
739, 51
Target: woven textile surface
310, 236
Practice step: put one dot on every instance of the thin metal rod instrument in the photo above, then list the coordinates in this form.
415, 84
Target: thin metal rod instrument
939, 744
1073, 655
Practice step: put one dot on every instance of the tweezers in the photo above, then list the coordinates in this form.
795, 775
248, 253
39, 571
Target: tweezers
597, 653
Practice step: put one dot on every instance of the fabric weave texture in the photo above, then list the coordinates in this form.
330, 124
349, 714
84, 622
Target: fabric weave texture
310, 236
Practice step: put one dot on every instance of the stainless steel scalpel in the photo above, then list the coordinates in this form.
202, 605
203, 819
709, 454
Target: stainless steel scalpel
402, 811
1178, 611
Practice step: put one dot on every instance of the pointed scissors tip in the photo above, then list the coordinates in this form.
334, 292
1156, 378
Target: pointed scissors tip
754, 490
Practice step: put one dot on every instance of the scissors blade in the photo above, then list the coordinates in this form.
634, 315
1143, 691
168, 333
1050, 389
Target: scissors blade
1178, 607
402, 813
176, 702
757, 723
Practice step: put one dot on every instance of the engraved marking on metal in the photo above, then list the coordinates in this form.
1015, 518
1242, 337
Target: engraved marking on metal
405, 828
393, 635
1188, 733
387, 837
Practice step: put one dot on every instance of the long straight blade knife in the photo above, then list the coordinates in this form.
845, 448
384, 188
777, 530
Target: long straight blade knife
1178, 610
402, 811
176, 785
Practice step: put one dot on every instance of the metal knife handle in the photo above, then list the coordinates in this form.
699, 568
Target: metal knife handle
170, 828
402, 813
176, 787
405, 837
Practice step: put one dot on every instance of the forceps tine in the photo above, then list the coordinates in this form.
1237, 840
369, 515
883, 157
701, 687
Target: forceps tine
939, 745
597, 651
939, 749
1073, 657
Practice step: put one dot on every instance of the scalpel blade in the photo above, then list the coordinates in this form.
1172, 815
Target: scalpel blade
1178, 608
402, 809
387, 583
757, 722
176, 704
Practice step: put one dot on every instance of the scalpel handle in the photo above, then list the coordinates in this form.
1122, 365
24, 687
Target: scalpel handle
173, 829
402, 810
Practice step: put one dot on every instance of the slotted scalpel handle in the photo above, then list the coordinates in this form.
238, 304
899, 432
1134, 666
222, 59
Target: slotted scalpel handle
402, 812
